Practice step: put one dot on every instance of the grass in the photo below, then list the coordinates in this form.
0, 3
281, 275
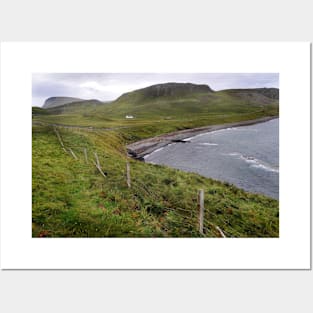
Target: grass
72, 199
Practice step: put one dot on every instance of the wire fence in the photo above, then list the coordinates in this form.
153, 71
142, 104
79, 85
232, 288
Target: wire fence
196, 218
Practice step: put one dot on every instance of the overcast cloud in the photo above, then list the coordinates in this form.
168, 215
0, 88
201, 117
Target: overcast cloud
107, 87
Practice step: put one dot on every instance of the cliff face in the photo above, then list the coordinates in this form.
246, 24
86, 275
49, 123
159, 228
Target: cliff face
58, 101
168, 90
175, 89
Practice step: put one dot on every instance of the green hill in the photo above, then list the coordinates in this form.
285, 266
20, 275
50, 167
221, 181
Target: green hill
57, 101
71, 198
80, 107
179, 99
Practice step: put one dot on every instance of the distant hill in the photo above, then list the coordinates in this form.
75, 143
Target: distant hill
76, 106
171, 101
177, 99
272, 93
167, 90
57, 101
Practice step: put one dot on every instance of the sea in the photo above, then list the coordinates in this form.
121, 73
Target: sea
246, 156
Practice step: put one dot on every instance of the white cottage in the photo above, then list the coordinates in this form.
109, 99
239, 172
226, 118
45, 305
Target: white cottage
129, 116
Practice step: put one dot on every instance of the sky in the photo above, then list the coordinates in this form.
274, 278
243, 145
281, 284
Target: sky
109, 86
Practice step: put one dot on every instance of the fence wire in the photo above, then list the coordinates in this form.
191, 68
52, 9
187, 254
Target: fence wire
181, 217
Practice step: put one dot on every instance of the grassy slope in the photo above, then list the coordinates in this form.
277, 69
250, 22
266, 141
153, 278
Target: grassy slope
221, 102
72, 199
166, 114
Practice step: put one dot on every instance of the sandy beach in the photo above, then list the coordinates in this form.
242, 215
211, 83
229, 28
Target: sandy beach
144, 147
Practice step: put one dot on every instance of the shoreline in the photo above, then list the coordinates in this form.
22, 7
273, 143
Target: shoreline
139, 149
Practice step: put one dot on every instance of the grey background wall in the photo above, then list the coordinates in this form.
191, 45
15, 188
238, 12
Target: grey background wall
156, 291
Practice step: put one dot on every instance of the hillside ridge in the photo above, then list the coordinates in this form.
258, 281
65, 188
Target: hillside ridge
169, 89
58, 101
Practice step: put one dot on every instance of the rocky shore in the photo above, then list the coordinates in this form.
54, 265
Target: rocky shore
144, 147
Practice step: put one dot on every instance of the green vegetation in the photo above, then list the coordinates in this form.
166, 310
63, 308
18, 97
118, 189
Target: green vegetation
72, 199
39, 111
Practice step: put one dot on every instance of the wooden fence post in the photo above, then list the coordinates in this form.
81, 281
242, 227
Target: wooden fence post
86, 156
98, 166
201, 209
73, 154
220, 231
128, 174
97, 160
59, 138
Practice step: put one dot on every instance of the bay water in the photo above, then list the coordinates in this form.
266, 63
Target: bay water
246, 156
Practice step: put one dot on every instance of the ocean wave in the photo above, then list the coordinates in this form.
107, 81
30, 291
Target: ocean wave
234, 154
208, 144
188, 139
266, 168
208, 133
157, 150
254, 162
221, 130
242, 129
